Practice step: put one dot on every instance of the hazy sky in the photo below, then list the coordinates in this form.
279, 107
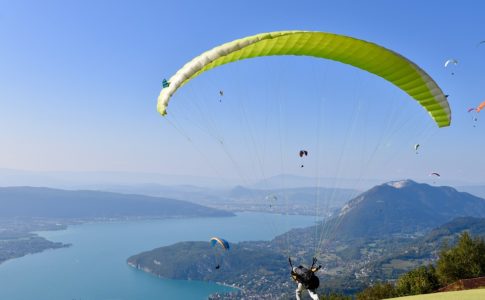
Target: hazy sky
79, 82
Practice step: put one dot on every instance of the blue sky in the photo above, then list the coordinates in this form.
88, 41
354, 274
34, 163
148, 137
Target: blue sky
79, 82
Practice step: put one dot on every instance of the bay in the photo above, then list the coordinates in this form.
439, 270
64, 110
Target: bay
94, 267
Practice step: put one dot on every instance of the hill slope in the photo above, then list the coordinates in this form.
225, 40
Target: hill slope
405, 207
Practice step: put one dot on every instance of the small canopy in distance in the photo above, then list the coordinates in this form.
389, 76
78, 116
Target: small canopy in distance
222, 242
451, 61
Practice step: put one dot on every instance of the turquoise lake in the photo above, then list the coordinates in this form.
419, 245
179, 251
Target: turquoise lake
94, 267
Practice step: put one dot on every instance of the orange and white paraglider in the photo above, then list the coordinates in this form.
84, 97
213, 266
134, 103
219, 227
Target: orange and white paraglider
480, 107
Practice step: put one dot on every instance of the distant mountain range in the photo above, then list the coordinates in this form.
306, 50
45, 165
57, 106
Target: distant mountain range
54, 203
90, 179
302, 200
286, 181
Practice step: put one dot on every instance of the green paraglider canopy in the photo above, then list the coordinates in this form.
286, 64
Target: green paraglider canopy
359, 53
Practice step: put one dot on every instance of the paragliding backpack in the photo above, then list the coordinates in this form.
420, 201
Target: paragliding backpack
305, 276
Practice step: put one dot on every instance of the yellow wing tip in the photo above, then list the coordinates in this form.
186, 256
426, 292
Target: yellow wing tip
162, 108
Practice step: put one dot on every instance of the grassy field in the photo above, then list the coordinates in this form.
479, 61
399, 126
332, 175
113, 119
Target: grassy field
476, 294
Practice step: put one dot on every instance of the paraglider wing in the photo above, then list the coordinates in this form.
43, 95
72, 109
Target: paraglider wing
471, 109
435, 174
416, 147
481, 106
272, 200
451, 61
361, 54
218, 241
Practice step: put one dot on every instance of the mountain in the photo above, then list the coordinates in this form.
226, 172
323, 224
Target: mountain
401, 207
303, 200
477, 190
54, 203
286, 181
300, 200
88, 179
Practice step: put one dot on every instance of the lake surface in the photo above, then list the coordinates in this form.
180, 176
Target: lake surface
94, 267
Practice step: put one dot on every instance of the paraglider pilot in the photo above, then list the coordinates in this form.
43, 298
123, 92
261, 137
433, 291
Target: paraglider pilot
306, 279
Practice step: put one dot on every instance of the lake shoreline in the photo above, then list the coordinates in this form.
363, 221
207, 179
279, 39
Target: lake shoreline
106, 245
148, 271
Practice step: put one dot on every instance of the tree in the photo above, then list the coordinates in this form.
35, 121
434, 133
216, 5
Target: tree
335, 296
465, 260
422, 280
378, 291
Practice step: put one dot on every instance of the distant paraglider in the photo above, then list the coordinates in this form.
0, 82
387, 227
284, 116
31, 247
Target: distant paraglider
303, 153
434, 175
480, 107
476, 110
416, 147
475, 119
272, 200
221, 244
451, 62
221, 93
